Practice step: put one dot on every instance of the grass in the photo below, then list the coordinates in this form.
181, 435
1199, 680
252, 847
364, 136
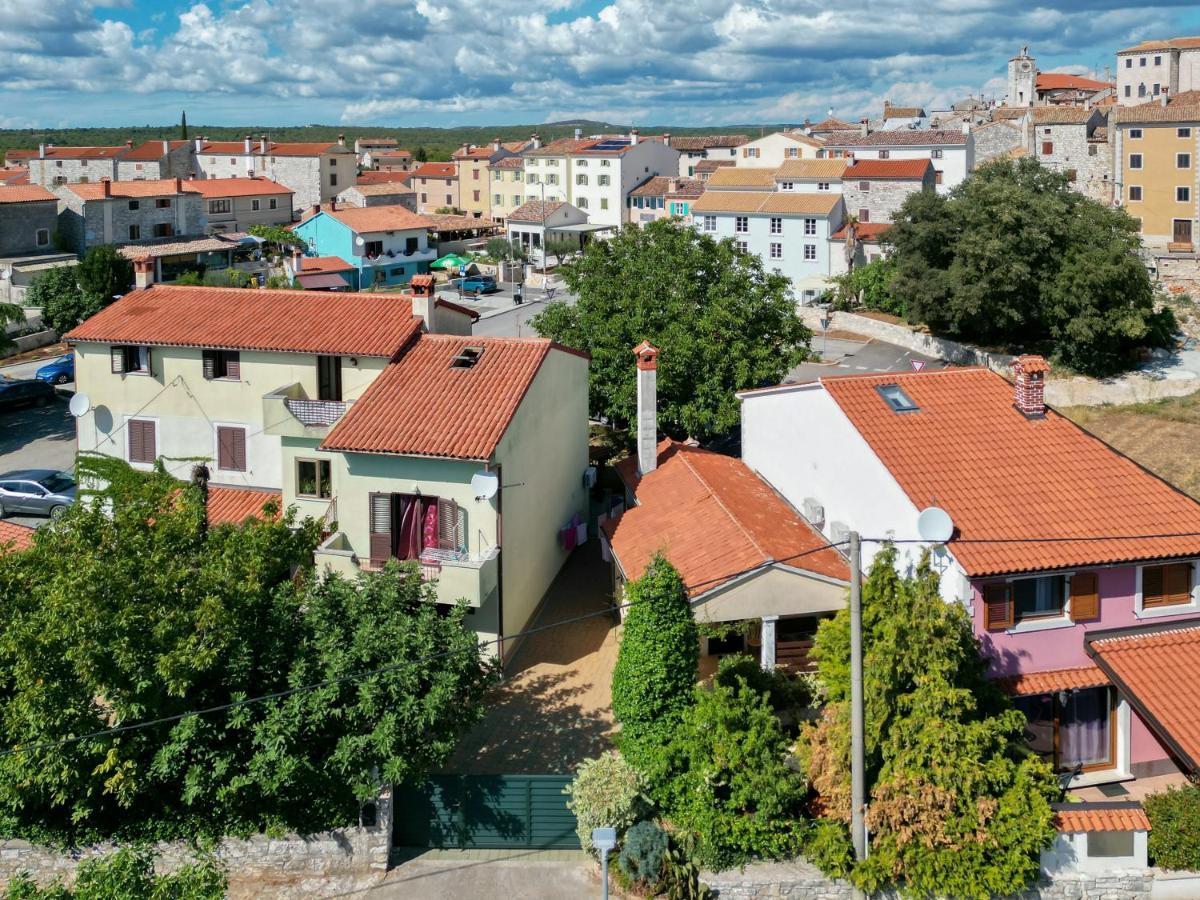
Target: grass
1162, 436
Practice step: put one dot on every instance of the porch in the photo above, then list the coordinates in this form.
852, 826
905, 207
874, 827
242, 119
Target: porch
779, 642
289, 412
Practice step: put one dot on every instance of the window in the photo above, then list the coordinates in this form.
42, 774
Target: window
750, 152
475, 196
742, 246
314, 479
604, 180
552, 178
777, 251
255, 205
581, 178
581, 163
787, 185
741, 224
127, 360
332, 162
1169, 585
1129, 62
1183, 132
516, 199
810, 226
885, 154
604, 163
1128, 92
1183, 195
1072, 729
218, 206
164, 229
373, 248
329, 378
1109, 844
1142, 90
1135, 193
1158, 60
1047, 148
231, 448
1157, 89
135, 232
1091, 149
333, 179
403, 526
162, 203
1135, 160
604, 203
822, 185
894, 396
710, 223
497, 199
42, 237
1135, 134
1142, 62
135, 204
475, 174
810, 252
581, 202
864, 185
221, 364
793, 152
864, 215
937, 176
1183, 160
776, 226
141, 441
935, 153
232, 162
424, 198
1038, 598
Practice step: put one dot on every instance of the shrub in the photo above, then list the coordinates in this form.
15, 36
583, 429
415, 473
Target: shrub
827, 846
786, 692
681, 870
607, 792
643, 851
127, 873
1175, 828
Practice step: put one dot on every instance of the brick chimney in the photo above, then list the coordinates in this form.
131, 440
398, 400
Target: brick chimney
424, 303
647, 407
1029, 393
143, 273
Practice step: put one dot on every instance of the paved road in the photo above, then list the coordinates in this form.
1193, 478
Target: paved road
26, 370
847, 357
39, 437
513, 321
526, 874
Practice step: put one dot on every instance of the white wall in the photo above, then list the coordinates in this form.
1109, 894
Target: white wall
772, 151
1068, 853
956, 163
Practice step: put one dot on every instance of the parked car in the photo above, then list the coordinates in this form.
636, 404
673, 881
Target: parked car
60, 371
477, 284
43, 492
21, 392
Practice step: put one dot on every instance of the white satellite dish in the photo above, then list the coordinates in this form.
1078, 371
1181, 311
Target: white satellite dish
484, 485
80, 405
358, 241
934, 525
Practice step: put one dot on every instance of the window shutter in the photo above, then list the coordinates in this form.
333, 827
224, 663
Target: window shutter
231, 449
233, 365
448, 529
210, 364
137, 452
997, 607
117, 355
239, 449
1178, 579
380, 528
1152, 586
1085, 597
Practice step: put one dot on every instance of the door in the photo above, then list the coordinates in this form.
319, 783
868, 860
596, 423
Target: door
329, 378
1183, 231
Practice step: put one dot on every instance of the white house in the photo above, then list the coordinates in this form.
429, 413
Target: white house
695, 149
772, 150
951, 151
811, 176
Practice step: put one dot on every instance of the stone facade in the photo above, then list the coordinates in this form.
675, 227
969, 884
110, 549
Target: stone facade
881, 199
995, 138
1080, 149
51, 171
312, 179
84, 224
177, 162
27, 227
394, 194
225, 214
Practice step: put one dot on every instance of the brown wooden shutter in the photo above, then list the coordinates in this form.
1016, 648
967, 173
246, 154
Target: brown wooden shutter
447, 524
117, 355
380, 528
141, 441
231, 449
997, 607
1153, 593
210, 364
233, 364
1085, 597
1178, 582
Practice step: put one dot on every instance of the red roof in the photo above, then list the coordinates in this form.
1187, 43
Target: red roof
884, 169
1053, 81
14, 176
1002, 476
14, 537
1119, 816
84, 152
1029, 683
20, 154
422, 405
867, 231
154, 187
24, 193
713, 519
236, 187
384, 178
240, 319
152, 150
1154, 667
233, 505
436, 170
392, 217
316, 265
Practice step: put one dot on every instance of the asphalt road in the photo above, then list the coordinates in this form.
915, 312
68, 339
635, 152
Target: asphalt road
513, 321
847, 357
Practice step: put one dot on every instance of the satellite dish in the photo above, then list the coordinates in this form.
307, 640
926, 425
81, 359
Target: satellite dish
80, 405
934, 525
485, 485
358, 241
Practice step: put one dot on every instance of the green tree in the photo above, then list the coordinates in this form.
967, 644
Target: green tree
1175, 827
104, 273
277, 237
1014, 256
183, 135
562, 248
721, 321
420, 155
868, 286
10, 314
64, 305
656, 664
141, 613
958, 804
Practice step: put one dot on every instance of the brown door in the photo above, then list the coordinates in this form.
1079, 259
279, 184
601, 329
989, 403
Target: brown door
1183, 231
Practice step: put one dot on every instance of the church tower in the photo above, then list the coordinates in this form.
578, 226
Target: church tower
1022, 79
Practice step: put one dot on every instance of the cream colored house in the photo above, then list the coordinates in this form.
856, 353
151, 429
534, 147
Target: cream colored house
771, 151
376, 413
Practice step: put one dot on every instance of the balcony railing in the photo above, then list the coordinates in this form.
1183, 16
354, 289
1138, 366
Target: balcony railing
316, 412
288, 412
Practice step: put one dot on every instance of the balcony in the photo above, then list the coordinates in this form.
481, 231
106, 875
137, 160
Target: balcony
396, 256
288, 412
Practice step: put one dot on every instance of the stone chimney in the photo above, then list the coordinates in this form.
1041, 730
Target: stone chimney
297, 261
495, 145
672, 185
341, 140
1029, 395
1162, 98
424, 303
537, 140
166, 147
143, 273
647, 407
106, 186
633, 136
41, 151
863, 127
199, 144
966, 126
667, 138
246, 145
262, 144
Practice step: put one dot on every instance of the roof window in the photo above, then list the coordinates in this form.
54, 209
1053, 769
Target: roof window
467, 358
895, 397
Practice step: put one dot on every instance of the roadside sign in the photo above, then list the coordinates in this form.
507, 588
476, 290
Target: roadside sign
917, 364
824, 324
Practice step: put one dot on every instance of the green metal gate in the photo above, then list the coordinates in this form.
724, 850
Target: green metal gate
486, 811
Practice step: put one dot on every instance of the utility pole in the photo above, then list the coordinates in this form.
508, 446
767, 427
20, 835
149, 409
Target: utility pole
857, 754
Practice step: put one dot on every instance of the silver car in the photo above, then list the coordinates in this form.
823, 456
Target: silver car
39, 491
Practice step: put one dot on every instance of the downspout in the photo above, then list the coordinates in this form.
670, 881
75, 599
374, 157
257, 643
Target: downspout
488, 467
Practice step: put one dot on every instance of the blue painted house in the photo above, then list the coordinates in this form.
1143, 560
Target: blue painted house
386, 245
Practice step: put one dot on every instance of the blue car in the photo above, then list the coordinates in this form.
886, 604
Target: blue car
61, 371
477, 284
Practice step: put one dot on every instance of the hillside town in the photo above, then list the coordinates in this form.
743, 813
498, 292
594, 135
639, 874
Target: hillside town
801, 511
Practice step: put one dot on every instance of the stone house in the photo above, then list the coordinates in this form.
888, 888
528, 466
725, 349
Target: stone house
313, 172
1152, 68
234, 204
874, 189
69, 165
993, 139
158, 159
1059, 137
388, 193
694, 149
951, 150
28, 219
664, 197
118, 212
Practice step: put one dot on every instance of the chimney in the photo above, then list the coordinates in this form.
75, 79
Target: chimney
495, 144
424, 304
199, 144
143, 273
647, 407
863, 128
672, 185
129, 145
262, 144
578, 134
633, 136
333, 205
297, 262
537, 140
246, 145
966, 126
829, 113
316, 208
166, 147
1029, 395
106, 185
667, 138
1163, 97
41, 151
179, 185
341, 140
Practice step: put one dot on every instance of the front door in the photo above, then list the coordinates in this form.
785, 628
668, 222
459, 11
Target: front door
329, 378
1183, 231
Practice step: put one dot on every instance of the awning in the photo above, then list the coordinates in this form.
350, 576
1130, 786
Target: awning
322, 281
1028, 683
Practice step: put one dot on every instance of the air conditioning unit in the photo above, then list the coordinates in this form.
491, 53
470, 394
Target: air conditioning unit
839, 532
589, 477
814, 512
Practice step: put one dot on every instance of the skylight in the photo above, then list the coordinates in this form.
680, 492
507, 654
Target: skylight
467, 358
895, 397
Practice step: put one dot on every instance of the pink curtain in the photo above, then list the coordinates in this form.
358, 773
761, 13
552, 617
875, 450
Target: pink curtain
418, 525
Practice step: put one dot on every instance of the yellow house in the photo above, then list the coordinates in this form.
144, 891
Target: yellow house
507, 187
378, 414
1155, 156
475, 177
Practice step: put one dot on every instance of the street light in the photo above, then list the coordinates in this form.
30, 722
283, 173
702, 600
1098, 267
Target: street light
604, 840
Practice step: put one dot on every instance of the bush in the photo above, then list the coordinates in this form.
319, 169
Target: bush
827, 846
607, 792
642, 853
681, 870
787, 693
127, 873
1175, 828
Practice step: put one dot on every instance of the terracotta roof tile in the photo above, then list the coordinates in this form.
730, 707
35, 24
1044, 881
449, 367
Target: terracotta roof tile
742, 177
85, 152
1053, 81
389, 217
1074, 818
831, 124
1060, 115
238, 319
436, 170
867, 231
151, 150
304, 149
509, 162
708, 141
660, 186
535, 210
917, 137
316, 265
14, 177
1146, 113
811, 168
1154, 668
235, 187
442, 222
1180, 43
1002, 476
233, 505
14, 537
383, 178
422, 405
786, 202
154, 187
173, 246
888, 169
711, 165
1028, 683
1004, 113
713, 518
902, 112
382, 188
24, 193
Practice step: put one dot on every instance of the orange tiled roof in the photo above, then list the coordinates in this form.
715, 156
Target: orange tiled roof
316, 265
304, 149
389, 217
421, 405
713, 518
233, 505
1180, 43
84, 152
1002, 476
1154, 668
154, 187
15, 176
867, 231
1119, 816
831, 124
383, 178
151, 150
283, 321
14, 537
886, 169
24, 193
436, 170
1028, 683
1052, 81
236, 187
20, 155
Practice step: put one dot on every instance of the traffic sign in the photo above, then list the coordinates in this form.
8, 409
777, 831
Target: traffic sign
917, 364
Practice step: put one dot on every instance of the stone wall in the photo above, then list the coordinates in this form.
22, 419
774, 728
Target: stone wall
881, 199
993, 139
47, 172
84, 224
20, 223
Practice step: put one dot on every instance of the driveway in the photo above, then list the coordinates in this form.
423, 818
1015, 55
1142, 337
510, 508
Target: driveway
474, 874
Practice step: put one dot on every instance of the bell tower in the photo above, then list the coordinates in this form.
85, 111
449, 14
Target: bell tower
1022, 79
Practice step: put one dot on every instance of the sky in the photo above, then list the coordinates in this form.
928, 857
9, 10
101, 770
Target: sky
471, 62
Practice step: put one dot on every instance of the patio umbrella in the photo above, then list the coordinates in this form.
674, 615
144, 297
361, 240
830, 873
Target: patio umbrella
449, 261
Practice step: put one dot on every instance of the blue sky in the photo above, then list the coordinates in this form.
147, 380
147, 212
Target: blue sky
450, 62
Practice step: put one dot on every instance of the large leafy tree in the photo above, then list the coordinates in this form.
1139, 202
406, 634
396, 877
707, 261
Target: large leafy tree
141, 613
64, 304
1015, 257
958, 805
721, 321
104, 273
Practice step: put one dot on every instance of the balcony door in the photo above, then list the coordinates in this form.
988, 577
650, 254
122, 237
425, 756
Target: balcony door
403, 526
329, 378
1182, 231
